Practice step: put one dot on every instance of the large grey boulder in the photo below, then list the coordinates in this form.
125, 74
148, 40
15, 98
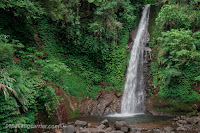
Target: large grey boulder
119, 124
81, 123
69, 129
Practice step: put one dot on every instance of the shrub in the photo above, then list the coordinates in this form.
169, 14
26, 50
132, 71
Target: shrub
177, 65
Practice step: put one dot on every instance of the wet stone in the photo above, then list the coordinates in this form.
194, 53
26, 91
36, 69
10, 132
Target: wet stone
168, 129
81, 123
105, 122
138, 132
181, 129
108, 129
117, 132
124, 129
101, 127
182, 121
69, 129
133, 130
119, 124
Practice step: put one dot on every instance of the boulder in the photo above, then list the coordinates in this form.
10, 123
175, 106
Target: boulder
178, 124
82, 132
106, 103
70, 123
149, 131
124, 129
109, 129
69, 129
175, 119
192, 120
138, 132
182, 121
168, 129
100, 127
133, 130
119, 124
81, 123
105, 122
188, 127
157, 130
117, 132
181, 129
90, 125
89, 130
183, 116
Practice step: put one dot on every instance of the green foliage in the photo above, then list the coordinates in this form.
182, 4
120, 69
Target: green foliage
97, 2
181, 2
175, 62
180, 45
9, 113
153, 29
197, 78
173, 16
177, 65
128, 17
53, 70
6, 54
60, 10
149, 2
49, 39
7, 49
171, 106
93, 50
178, 16
28, 8
116, 67
31, 54
86, 37
20, 109
48, 100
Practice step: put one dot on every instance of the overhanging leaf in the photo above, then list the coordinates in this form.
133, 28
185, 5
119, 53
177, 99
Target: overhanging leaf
90, 1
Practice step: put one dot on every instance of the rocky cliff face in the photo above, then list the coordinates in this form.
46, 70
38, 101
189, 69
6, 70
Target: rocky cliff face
131, 39
106, 102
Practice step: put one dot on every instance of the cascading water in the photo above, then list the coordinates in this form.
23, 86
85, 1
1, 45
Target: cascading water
133, 100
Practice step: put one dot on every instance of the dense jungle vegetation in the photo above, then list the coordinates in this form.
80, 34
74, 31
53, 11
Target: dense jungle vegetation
175, 40
80, 45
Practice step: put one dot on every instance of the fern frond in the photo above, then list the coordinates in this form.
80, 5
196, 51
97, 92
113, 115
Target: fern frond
6, 94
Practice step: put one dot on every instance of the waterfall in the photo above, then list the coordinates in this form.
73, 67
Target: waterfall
133, 100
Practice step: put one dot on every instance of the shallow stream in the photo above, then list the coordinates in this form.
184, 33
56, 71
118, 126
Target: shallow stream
140, 120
